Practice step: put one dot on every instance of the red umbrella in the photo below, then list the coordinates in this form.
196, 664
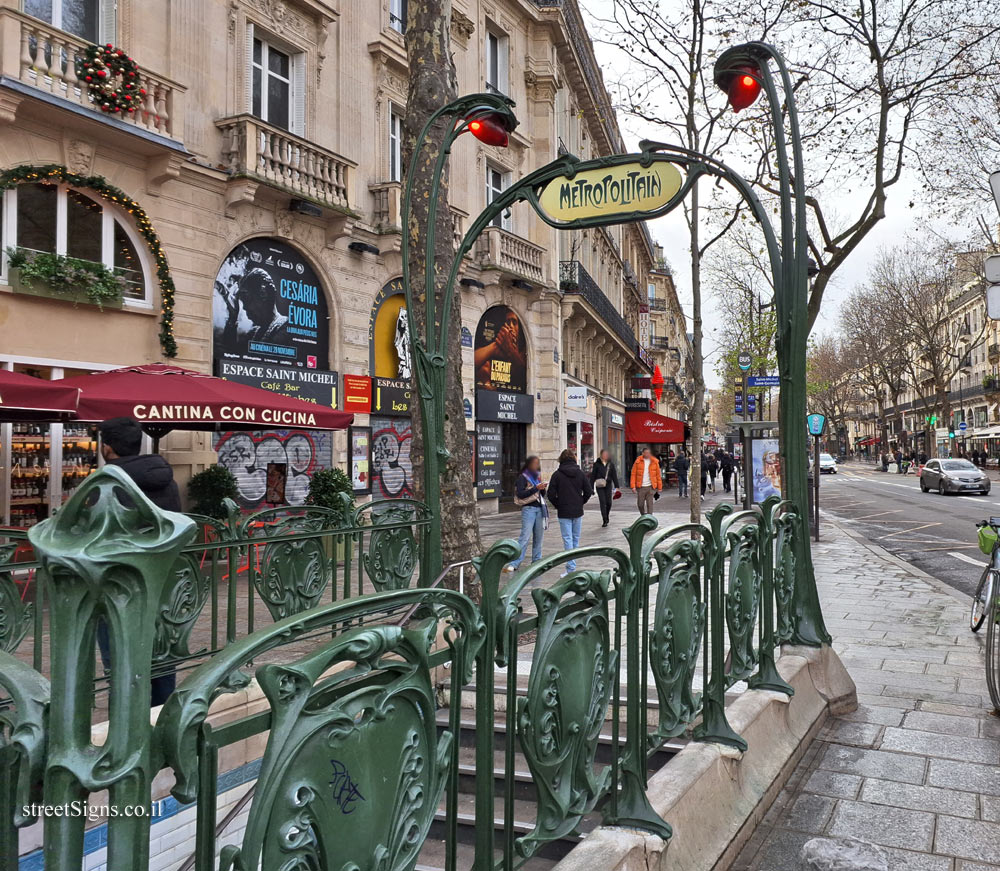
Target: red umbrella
163, 398
24, 399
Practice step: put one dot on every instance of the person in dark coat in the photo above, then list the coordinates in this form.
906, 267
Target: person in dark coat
682, 465
713, 470
604, 477
726, 464
569, 489
121, 442
704, 472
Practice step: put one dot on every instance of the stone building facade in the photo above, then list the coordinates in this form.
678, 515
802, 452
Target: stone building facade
266, 137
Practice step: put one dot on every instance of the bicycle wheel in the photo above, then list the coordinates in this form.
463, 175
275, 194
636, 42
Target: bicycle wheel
981, 599
993, 648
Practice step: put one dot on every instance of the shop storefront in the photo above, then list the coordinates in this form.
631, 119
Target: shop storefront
613, 426
504, 407
390, 366
271, 330
42, 463
580, 411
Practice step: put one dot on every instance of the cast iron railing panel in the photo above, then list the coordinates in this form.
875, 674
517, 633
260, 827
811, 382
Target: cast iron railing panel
354, 765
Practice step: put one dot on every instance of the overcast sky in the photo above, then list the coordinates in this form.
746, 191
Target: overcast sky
670, 231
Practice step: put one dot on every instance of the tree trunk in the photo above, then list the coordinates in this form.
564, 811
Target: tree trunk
433, 83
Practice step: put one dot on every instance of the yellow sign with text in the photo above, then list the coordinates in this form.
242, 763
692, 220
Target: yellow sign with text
605, 192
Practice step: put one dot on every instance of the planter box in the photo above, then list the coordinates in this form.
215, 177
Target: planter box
40, 288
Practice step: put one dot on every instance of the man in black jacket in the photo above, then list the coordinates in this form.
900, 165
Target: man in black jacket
726, 463
569, 489
121, 441
681, 466
604, 477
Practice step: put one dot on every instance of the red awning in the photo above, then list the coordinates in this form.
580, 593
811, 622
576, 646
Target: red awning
24, 398
868, 441
647, 426
164, 398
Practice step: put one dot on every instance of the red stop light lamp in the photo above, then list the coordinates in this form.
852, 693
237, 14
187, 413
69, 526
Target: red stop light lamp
743, 87
490, 129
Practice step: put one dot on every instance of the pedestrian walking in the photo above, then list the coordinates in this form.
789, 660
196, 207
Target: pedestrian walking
704, 472
682, 465
713, 470
898, 460
569, 489
726, 464
121, 443
646, 480
604, 477
529, 496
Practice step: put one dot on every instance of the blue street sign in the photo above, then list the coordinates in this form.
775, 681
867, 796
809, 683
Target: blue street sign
816, 423
751, 403
963, 426
763, 381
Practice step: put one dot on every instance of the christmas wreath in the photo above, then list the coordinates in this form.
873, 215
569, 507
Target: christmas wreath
112, 79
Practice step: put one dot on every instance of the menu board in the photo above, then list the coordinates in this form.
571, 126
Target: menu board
360, 438
488, 452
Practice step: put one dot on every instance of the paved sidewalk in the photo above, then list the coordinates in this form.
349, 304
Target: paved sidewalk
915, 772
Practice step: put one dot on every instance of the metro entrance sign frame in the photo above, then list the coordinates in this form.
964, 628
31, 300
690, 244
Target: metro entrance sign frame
550, 192
490, 117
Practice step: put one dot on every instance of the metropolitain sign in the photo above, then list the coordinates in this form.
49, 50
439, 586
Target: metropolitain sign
610, 193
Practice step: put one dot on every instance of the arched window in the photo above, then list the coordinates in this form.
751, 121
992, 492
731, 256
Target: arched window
58, 219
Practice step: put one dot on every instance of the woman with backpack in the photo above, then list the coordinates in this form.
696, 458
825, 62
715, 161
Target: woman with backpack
569, 489
530, 497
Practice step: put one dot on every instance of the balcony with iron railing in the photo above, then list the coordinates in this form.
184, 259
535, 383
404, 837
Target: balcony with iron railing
47, 59
657, 304
574, 279
259, 150
501, 249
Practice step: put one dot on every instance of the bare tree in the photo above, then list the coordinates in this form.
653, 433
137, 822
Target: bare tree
876, 338
831, 386
668, 51
927, 288
432, 84
874, 83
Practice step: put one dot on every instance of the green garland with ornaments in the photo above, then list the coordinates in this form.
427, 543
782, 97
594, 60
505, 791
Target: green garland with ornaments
55, 174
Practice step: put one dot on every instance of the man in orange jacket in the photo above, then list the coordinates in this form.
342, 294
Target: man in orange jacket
646, 480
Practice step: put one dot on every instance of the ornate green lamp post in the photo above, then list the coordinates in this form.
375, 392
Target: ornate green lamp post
489, 118
741, 72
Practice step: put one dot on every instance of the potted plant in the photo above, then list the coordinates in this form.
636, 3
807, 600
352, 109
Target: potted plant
42, 273
208, 489
331, 488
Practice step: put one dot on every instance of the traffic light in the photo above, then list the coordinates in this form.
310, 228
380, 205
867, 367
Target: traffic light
951, 432
743, 87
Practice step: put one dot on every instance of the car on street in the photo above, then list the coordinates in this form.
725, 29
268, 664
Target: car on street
827, 465
953, 476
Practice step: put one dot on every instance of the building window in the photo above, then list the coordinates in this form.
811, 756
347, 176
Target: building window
92, 20
57, 219
395, 144
496, 62
497, 181
397, 15
276, 83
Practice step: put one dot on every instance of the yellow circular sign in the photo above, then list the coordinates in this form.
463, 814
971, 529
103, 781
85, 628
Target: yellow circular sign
604, 192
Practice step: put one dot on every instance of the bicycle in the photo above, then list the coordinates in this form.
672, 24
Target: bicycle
986, 603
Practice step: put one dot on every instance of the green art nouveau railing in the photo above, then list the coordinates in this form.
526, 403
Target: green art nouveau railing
238, 575
357, 765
